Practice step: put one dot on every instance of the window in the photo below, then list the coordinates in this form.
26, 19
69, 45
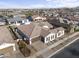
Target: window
52, 37
60, 33
47, 39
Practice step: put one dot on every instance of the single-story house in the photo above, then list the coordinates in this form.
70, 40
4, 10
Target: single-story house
18, 21
38, 18
7, 44
44, 24
28, 32
50, 35
30, 18
31, 31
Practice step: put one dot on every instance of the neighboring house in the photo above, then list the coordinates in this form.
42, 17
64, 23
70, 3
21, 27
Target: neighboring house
45, 25
20, 15
7, 44
38, 18
50, 35
29, 32
63, 20
26, 21
18, 21
2, 21
30, 18
32, 31
60, 22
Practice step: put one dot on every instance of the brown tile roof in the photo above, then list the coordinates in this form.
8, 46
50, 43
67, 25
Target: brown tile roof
35, 16
30, 30
26, 29
46, 32
45, 24
35, 30
60, 28
42, 24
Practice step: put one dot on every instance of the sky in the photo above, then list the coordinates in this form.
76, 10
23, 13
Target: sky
38, 3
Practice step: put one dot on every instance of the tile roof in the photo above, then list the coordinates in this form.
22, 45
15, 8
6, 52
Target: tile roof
30, 30
42, 24
34, 30
2, 20
5, 36
26, 29
46, 32
14, 19
60, 28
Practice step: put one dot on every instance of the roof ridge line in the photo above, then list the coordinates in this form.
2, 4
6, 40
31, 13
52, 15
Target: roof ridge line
32, 30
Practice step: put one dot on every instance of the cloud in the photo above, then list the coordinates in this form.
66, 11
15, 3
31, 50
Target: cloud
40, 6
64, 3
48, 0
62, 0
37, 6
46, 4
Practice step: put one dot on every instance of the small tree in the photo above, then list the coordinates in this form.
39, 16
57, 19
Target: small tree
28, 14
1, 16
70, 28
10, 16
23, 48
